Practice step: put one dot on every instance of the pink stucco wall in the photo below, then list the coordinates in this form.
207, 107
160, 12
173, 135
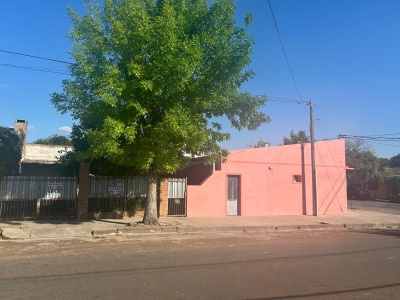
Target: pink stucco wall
266, 182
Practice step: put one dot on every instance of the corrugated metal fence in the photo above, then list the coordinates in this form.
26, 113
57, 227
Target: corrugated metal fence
37, 197
56, 197
108, 194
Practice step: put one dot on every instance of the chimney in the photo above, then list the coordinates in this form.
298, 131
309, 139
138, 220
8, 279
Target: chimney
20, 129
21, 126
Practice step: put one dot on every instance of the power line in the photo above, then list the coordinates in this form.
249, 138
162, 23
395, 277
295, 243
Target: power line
390, 145
385, 134
280, 98
283, 49
36, 69
34, 56
294, 81
293, 101
371, 138
286, 101
372, 142
374, 139
350, 116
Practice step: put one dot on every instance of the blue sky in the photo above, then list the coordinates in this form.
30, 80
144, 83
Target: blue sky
344, 54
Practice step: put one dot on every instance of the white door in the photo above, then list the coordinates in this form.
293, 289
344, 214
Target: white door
233, 195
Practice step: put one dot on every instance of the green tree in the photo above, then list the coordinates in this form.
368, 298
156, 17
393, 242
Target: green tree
148, 77
69, 160
383, 162
260, 144
296, 138
394, 162
365, 163
10, 152
55, 140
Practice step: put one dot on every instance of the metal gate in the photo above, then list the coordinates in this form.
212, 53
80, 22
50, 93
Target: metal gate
37, 197
110, 194
177, 197
233, 196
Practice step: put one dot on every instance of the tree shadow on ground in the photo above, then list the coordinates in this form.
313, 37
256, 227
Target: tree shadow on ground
395, 232
10, 222
65, 221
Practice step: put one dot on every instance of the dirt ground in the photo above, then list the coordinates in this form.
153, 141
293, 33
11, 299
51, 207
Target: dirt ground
138, 243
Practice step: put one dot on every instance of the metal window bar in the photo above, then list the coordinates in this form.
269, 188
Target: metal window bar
177, 197
108, 194
21, 195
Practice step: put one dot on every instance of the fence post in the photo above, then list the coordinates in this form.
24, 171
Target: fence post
84, 189
163, 213
124, 210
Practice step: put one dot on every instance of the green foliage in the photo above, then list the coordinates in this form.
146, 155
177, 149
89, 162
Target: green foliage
147, 78
260, 144
394, 162
10, 152
149, 74
394, 180
55, 140
296, 138
69, 161
383, 162
360, 157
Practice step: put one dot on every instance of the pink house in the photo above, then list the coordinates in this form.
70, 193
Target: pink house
269, 181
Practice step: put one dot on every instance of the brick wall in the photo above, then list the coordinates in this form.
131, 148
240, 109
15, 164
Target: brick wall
163, 212
84, 189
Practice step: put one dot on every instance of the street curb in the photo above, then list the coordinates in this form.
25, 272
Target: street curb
267, 228
373, 226
43, 233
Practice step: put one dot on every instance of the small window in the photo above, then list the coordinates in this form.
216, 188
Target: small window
297, 178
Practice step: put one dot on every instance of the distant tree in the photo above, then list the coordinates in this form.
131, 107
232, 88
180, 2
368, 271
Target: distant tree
394, 162
365, 163
260, 144
147, 78
55, 140
296, 138
383, 162
69, 160
68, 163
10, 152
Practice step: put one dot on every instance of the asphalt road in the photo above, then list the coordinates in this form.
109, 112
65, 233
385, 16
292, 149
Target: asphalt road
338, 264
384, 206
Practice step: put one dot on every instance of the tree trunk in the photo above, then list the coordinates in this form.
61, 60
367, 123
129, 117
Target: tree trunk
364, 185
150, 213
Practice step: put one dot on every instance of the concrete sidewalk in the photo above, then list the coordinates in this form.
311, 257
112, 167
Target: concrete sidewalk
45, 229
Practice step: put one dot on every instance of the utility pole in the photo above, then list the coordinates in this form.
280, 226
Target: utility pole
313, 169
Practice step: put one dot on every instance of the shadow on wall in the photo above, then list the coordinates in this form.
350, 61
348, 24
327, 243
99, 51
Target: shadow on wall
197, 172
